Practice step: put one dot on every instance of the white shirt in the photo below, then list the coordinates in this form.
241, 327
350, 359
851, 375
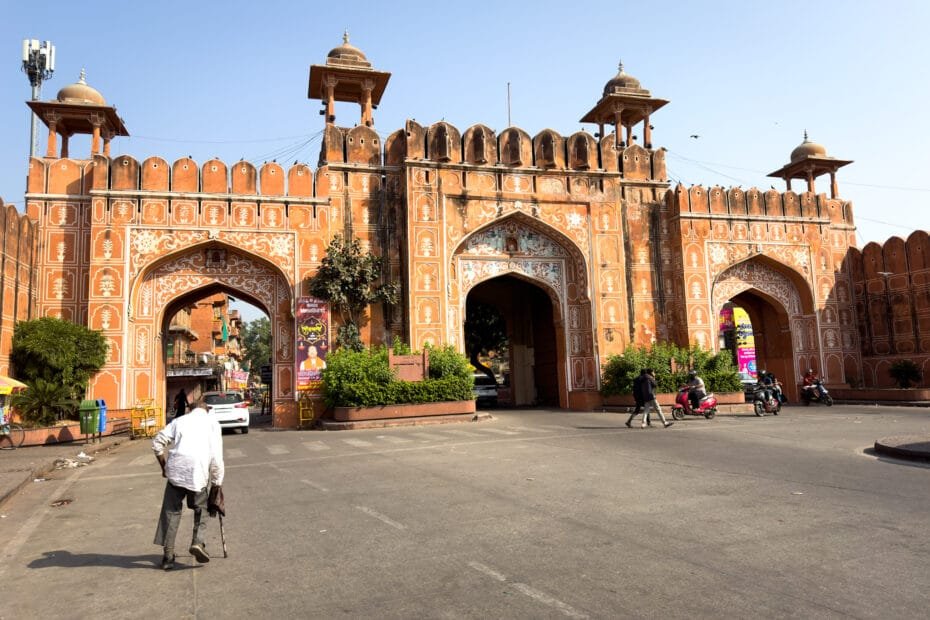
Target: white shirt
196, 453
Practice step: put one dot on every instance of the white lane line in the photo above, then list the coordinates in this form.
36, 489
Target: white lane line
498, 431
315, 446
429, 436
315, 485
142, 460
277, 448
529, 429
537, 595
392, 439
458, 433
358, 443
380, 517
233, 453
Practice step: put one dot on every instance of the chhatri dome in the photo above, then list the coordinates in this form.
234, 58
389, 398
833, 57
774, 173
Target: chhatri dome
347, 54
622, 83
807, 149
80, 92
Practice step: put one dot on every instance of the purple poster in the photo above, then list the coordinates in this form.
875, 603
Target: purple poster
312, 343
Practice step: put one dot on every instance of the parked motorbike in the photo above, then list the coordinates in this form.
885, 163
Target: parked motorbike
764, 400
707, 407
816, 392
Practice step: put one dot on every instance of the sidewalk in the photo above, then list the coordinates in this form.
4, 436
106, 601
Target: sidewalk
21, 466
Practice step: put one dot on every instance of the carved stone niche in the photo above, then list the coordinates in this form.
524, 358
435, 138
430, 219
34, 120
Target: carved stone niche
479, 147
442, 144
546, 154
579, 154
513, 148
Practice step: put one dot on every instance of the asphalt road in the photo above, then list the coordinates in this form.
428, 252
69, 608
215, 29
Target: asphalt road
535, 514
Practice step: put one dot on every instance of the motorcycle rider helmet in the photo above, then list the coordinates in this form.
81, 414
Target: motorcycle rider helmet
692, 374
810, 371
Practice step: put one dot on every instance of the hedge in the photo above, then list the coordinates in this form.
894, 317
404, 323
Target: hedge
717, 370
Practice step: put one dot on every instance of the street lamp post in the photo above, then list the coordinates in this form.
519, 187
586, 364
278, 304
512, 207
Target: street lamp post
38, 65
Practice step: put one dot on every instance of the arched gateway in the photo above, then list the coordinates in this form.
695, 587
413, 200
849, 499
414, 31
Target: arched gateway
583, 228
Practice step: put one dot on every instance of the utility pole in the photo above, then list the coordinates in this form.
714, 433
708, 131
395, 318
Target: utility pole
38, 65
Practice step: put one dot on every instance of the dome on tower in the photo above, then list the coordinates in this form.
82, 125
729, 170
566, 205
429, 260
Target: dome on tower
808, 149
623, 82
80, 92
347, 54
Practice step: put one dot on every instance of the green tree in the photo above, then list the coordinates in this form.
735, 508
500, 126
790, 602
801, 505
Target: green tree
256, 340
51, 353
348, 279
485, 331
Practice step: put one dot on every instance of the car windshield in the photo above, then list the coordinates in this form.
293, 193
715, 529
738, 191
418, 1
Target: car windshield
484, 380
223, 398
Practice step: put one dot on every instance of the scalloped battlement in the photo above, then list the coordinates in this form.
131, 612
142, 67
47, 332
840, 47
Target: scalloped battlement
736, 201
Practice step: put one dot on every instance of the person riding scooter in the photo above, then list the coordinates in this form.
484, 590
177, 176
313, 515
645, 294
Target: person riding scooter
771, 385
696, 391
812, 382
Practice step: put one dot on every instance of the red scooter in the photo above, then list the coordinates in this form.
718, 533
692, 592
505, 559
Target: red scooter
707, 407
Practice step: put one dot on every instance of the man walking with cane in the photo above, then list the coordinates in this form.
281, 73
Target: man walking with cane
194, 444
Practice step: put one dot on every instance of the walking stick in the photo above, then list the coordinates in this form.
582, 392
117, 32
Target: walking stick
223, 537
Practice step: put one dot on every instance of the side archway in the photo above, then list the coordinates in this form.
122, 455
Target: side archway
781, 313
199, 270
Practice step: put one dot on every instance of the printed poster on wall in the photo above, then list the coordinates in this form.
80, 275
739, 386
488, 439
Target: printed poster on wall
312, 343
745, 342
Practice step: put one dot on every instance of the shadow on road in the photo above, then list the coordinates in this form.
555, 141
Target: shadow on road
66, 559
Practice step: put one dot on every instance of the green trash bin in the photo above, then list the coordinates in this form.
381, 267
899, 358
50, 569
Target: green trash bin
90, 417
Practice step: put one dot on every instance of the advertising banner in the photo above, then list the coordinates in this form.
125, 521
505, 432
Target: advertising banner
312, 343
745, 342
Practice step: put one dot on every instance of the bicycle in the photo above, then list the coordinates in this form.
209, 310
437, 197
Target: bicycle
12, 435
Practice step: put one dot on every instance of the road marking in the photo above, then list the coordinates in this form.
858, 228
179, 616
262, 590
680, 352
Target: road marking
392, 439
459, 433
380, 517
315, 485
498, 431
358, 443
315, 446
233, 453
429, 436
141, 460
537, 595
528, 429
277, 448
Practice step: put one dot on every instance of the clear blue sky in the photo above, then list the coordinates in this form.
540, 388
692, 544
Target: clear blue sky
229, 79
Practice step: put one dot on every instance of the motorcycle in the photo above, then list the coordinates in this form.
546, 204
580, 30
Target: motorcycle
764, 400
816, 392
707, 407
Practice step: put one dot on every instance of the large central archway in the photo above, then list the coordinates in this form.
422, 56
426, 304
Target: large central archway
532, 362
528, 251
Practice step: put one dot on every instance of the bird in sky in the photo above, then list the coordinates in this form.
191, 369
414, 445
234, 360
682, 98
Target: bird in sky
695, 136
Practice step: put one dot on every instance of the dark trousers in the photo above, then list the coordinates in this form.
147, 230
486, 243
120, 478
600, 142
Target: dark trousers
170, 517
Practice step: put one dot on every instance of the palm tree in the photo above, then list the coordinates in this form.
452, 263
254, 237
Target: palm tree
43, 403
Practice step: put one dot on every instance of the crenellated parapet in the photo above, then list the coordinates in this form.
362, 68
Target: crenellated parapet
755, 203
891, 285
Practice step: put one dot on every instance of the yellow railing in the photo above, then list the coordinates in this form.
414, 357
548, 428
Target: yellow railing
146, 419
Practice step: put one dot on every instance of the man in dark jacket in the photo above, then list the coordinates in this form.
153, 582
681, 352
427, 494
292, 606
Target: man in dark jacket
638, 398
649, 398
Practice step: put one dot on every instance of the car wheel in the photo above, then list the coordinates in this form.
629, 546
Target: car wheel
244, 430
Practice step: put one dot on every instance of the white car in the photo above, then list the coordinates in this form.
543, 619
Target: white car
230, 408
485, 389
